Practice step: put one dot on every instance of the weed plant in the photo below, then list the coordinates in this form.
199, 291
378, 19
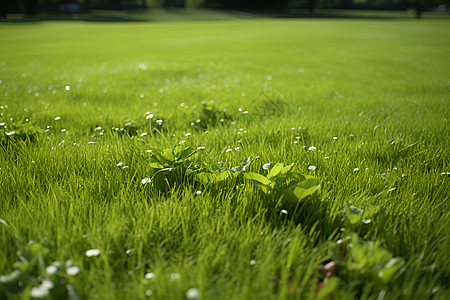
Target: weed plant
116, 195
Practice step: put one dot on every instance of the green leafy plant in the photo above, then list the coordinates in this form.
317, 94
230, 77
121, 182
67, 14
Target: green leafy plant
18, 131
355, 215
359, 258
209, 116
34, 278
215, 175
280, 182
172, 166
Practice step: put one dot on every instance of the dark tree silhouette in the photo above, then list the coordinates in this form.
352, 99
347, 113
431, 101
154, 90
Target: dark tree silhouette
3, 9
31, 7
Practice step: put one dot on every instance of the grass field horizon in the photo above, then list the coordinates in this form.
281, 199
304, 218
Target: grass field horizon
146, 159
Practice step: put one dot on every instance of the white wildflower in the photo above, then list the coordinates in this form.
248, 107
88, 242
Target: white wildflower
92, 252
146, 180
50, 270
72, 271
193, 293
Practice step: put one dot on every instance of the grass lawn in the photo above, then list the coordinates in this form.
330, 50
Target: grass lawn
137, 156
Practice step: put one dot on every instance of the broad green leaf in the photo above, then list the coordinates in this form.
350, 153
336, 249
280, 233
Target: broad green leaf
156, 165
305, 188
186, 153
371, 211
257, 179
162, 157
168, 155
279, 179
331, 285
275, 171
391, 268
286, 169
10, 283
221, 176
354, 214
177, 149
204, 178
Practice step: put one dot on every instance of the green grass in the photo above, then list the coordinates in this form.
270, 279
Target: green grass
372, 95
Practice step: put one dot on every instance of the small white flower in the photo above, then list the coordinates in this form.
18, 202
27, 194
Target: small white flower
201, 148
334, 137
50, 270
193, 293
146, 180
355, 169
198, 192
67, 87
311, 168
283, 211
266, 166
63, 130
57, 118
159, 121
148, 292
47, 284
10, 133
149, 116
149, 275
187, 134
144, 134
312, 148
92, 252
72, 271
228, 150
125, 167
120, 164
175, 276
39, 292
252, 262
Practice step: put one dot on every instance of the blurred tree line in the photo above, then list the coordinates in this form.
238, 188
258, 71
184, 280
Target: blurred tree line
35, 6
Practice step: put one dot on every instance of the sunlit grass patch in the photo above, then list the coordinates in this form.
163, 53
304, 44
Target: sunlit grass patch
226, 159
